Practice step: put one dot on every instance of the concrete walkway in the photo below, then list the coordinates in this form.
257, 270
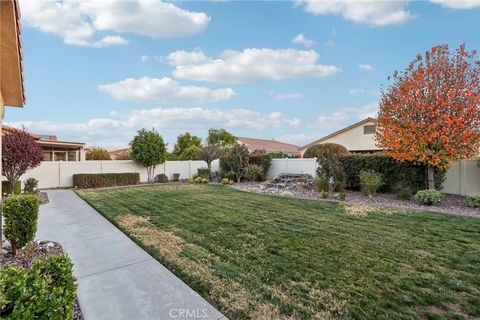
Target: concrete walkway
116, 278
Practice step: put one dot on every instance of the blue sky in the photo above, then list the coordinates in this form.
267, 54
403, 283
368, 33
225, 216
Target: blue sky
98, 71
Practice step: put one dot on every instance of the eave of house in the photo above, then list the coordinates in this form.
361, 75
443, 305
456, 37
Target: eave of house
11, 71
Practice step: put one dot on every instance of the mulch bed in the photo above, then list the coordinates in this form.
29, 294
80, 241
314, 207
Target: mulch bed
27, 256
451, 204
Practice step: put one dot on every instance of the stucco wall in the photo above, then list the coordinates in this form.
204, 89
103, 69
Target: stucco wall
354, 139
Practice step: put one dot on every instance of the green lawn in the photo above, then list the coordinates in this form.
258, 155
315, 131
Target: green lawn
260, 257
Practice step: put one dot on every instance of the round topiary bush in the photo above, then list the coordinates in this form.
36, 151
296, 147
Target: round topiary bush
429, 197
161, 178
319, 150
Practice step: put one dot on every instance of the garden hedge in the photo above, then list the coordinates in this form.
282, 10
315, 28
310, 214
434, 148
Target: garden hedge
396, 175
16, 189
47, 291
102, 180
21, 216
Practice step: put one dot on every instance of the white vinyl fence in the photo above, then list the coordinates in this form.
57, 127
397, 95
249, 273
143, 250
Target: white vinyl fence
59, 174
462, 178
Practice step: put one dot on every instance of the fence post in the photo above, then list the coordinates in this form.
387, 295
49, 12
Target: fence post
189, 169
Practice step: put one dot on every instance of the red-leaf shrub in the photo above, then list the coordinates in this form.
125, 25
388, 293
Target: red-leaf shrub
20, 152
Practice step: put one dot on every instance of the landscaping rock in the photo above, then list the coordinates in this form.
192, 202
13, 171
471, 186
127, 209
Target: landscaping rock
300, 188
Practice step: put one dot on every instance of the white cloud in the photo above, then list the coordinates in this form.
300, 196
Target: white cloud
300, 39
182, 57
163, 90
285, 95
330, 43
365, 67
77, 22
249, 65
356, 91
144, 58
458, 4
345, 116
119, 129
372, 12
298, 139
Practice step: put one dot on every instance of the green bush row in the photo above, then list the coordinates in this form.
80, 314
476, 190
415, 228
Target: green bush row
16, 189
21, 216
47, 291
101, 180
395, 175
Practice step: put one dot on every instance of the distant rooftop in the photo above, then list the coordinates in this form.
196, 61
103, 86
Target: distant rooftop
268, 145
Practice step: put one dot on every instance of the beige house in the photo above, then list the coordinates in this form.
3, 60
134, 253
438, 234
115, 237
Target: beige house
268, 146
357, 138
56, 150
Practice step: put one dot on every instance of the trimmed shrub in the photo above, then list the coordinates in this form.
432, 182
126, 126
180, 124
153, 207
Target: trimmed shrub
203, 173
253, 172
262, 160
342, 196
30, 185
319, 150
396, 175
200, 180
16, 189
370, 181
429, 197
102, 180
161, 178
21, 216
321, 184
227, 181
176, 177
473, 201
47, 291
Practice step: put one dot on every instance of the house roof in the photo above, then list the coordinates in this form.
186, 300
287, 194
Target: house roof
362, 122
268, 145
11, 66
48, 140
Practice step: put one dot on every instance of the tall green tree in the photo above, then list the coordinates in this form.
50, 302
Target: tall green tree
187, 147
148, 150
97, 153
220, 137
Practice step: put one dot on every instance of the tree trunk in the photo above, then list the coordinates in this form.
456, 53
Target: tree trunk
431, 177
14, 249
11, 187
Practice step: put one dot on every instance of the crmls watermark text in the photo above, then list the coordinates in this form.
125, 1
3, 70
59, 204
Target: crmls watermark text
182, 313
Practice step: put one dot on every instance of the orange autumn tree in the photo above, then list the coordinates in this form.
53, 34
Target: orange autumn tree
430, 114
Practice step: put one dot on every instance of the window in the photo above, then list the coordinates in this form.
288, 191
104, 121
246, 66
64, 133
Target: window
47, 155
72, 155
370, 129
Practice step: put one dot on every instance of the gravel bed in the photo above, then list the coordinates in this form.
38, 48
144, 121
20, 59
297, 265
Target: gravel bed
451, 204
28, 255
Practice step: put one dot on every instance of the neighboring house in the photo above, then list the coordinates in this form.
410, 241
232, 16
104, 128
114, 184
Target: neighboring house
357, 138
57, 150
268, 146
116, 154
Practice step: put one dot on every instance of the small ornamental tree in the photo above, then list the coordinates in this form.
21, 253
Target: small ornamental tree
149, 150
236, 160
430, 114
20, 152
97, 153
209, 153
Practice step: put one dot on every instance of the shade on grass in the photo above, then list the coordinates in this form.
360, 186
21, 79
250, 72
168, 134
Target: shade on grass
262, 257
